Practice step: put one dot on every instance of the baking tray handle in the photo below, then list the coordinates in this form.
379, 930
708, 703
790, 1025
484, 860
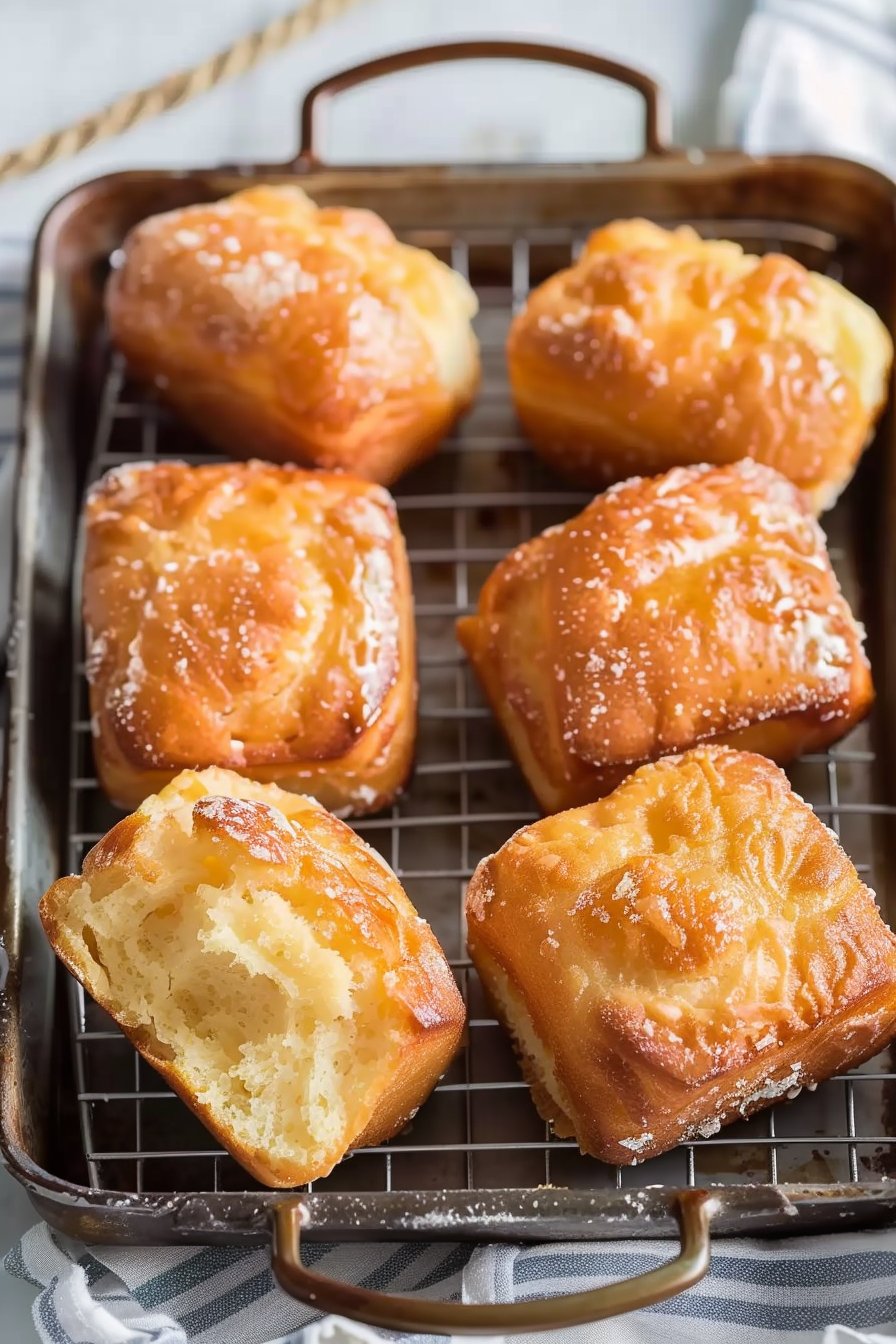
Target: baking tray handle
694, 1209
656, 110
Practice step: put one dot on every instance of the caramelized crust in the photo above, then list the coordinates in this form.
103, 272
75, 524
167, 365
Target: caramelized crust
657, 349
692, 606
680, 954
249, 616
301, 335
268, 964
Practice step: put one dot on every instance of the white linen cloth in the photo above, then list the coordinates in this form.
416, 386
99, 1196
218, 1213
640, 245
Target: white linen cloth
816, 75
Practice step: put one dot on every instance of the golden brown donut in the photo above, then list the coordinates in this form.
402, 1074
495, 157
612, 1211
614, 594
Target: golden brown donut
250, 616
268, 964
675, 609
680, 954
657, 349
298, 334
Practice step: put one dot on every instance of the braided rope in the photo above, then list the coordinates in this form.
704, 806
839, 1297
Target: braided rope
173, 91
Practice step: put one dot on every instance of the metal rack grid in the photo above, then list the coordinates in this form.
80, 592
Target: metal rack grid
484, 493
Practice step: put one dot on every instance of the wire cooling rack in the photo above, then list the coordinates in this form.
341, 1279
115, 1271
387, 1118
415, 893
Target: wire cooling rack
481, 495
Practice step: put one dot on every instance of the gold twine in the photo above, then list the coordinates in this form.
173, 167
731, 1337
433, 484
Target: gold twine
173, 91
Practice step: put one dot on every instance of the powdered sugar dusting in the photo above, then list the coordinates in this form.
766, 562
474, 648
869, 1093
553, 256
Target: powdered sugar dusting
258, 827
211, 638
687, 607
261, 284
625, 887
638, 1143
772, 1088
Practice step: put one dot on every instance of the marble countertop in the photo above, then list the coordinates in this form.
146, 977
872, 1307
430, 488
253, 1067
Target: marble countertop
63, 58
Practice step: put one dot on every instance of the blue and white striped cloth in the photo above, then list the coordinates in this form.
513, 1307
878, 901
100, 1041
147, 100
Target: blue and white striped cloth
757, 1292
13, 260
14, 253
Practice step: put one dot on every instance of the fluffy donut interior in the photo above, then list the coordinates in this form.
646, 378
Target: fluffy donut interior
272, 1017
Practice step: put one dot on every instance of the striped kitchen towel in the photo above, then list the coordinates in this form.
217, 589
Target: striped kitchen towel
757, 1292
14, 255
14, 252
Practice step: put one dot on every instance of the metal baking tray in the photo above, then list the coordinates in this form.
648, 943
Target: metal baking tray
106, 1152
